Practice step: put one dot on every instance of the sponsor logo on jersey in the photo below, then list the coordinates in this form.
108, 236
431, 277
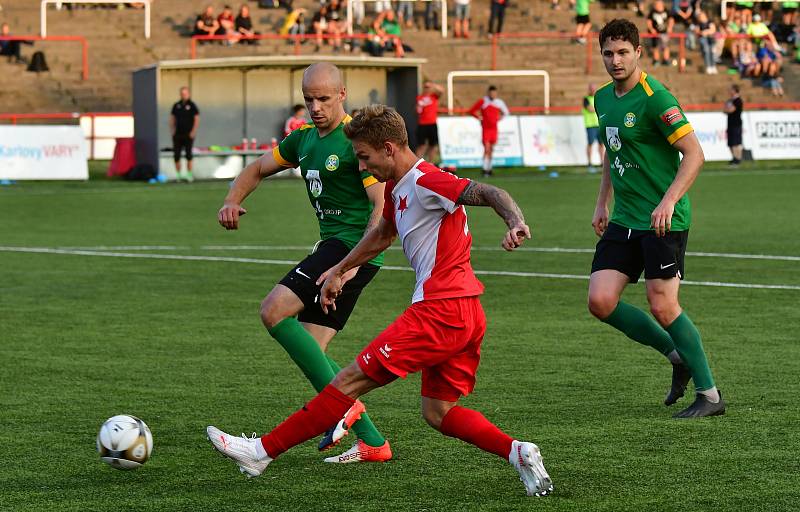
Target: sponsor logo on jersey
612, 135
314, 182
332, 163
630, 119
402, 205
671, 116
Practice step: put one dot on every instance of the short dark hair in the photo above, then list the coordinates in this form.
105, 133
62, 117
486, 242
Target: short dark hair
297, 108
735, 88
620, 29
492, 88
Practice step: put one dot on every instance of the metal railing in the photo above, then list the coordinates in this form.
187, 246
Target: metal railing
297, 39
80, 39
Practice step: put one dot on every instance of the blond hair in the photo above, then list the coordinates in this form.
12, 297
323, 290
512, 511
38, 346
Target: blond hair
376, 124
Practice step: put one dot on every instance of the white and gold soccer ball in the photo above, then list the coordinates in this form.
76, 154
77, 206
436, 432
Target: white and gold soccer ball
124, 442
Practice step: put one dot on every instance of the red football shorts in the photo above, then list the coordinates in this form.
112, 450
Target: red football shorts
490, 136
440, 337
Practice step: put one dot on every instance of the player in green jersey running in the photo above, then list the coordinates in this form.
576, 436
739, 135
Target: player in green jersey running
644, 129
347, 203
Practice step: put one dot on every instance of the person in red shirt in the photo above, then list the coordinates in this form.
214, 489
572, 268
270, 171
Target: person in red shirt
489, 110
440, 334
427, 112
297, 120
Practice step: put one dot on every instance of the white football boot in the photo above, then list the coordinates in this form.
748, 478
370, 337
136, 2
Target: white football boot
241, 450
528, 461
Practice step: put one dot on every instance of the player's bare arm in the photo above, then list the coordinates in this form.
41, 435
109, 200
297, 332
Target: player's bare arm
375, 195
482, 194
600, 217
375, 241
690, 166
243, 185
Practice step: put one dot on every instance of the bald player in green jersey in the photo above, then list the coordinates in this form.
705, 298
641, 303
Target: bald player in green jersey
347, 202
644, 129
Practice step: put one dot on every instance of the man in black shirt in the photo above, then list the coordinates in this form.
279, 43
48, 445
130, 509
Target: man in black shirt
183, 122
244, 26
734, 107
660, 23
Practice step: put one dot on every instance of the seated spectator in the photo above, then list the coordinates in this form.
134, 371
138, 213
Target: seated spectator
386, 30
660, 23
706, 32
11, 49
749, 67
433, 15
294, 24
206, 24
461, 26
322, 23
729, 43
244, 26
227, 25
789, 14
683, 15
746, 10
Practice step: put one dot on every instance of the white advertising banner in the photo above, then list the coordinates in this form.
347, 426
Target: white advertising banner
711, 130
43, 153
775, 134
460, 142
553, 140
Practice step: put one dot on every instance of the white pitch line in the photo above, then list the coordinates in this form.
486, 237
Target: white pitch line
394, 248
49, 250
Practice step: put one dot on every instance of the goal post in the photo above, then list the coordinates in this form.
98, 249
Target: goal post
451, 76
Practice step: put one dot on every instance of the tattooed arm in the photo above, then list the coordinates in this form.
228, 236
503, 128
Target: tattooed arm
482, 194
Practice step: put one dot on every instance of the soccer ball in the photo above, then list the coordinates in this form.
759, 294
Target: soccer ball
124, 442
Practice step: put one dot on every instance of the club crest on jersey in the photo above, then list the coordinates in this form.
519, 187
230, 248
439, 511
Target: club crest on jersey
612, 135
332, 163
314, 182
671, 116
630, 119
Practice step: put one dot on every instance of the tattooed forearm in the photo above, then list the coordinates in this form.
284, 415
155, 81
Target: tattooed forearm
481, 194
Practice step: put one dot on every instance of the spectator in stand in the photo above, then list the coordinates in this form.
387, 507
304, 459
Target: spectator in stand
427, 114
227, 26
496, 16
789, 15
592, 125
784, 28
382, 5
386, 30
244, 26
768, 55
336, 22
405, 12
748, 64
706, 33
683, 14
746, 10
659, 24
582, 23
206, 23
183, 123
294, 24
489, 110
433, 15
297, 120
734, 107
461, 26
321, 23
10, 48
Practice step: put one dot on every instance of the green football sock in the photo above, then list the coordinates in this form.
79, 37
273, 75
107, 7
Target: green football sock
690, 347
318, 368
640, 327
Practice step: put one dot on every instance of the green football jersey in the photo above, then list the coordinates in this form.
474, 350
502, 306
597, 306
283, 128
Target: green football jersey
335, 186
638, 130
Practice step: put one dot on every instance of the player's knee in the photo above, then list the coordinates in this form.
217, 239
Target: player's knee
433, 417
271, 315
665, 311
601, 305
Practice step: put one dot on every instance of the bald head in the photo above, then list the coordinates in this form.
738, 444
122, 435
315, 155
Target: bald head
322, 74
324, 95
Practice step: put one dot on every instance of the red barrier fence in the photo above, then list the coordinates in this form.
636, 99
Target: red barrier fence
82, 40
297, 39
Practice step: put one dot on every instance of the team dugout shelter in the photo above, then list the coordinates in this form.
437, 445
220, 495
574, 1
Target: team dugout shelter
251, 98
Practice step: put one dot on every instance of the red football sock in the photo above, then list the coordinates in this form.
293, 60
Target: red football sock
317, 416
473, 427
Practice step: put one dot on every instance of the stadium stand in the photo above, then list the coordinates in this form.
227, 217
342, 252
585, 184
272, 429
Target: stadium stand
117, 47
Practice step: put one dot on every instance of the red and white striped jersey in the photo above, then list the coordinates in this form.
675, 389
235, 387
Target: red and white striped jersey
433, 230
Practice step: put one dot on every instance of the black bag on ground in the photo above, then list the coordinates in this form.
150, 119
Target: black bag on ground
38, 63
